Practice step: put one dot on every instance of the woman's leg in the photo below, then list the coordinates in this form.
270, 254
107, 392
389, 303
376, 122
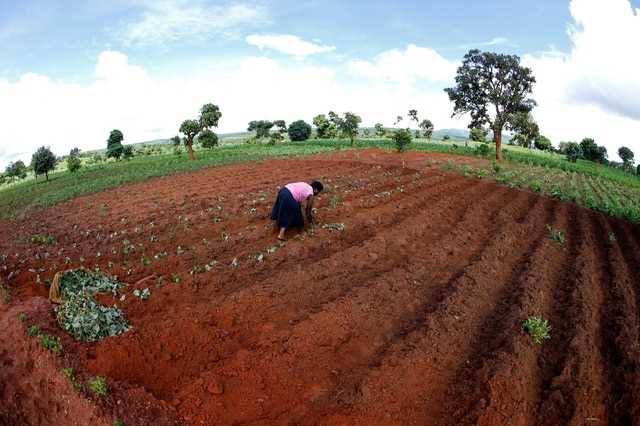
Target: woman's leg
281, 234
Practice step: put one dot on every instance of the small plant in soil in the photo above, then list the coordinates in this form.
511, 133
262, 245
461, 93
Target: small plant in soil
118, 422
98, 385
144, 294
334, 201
538, 328
34, 331
612, 238
51, 343
334, 226
71, 375
23, 317
43, 239
556, 235
175, 278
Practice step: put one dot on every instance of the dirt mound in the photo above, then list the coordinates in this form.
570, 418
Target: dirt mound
412, 314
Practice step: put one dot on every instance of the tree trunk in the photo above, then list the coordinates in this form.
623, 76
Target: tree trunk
46, 175
497, 138
191, 156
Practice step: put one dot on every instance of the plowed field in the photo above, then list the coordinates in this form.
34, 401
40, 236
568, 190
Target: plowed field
410, 315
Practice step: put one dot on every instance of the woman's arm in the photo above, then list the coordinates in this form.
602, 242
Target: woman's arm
309, 209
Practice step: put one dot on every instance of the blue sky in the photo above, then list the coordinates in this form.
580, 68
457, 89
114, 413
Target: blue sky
143, 66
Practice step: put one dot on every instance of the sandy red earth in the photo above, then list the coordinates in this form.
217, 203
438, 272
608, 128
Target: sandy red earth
411, 315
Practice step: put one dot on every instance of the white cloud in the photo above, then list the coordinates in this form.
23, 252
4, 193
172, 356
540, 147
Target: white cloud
406, 66
594, 89
167, 21
126, 97
496, 41
288, 44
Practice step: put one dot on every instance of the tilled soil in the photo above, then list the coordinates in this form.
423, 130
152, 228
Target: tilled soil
411, 315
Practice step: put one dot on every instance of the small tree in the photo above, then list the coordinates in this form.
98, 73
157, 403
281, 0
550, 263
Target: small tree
543, 143
526, 129
209, 116
73, 160
492, 87
589, 149
379, 129
43, 161
627, 156
427, 128
478, 134
114, 144
190, 128
299, 131
127, 152
17, 169
261, 127
324, 128
573, 151
349, 126
208, 139
175, 140
401, 139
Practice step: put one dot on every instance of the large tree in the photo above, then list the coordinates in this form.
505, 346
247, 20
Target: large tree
526, 129
299, 131
209, 116
114, 144
324, 128
17, 169
43, 161
379, 129
349, 126
492, 88
592, 152
261, 127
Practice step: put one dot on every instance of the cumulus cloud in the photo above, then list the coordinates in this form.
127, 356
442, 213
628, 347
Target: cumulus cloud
406, 66
593, 90
167, 21
37, 110
288, 44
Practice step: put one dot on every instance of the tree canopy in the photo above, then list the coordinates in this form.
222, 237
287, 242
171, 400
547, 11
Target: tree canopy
299, 131
526, 129
43, 161
349, 125
478, 134
492, 88
261, 127
114, 144
208, 139
209, 116
627, 156
190, 128
427, 128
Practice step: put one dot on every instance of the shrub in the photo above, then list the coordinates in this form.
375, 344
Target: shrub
51, 343
483, 150
299, 131
73, 162
401, 139
542, 143
17, 169
208, 139
538, 328
43, 161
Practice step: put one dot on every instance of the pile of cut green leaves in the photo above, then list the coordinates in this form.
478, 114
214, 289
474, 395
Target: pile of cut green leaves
81, 315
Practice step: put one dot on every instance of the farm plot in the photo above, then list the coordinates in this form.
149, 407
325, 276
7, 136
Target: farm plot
405, 304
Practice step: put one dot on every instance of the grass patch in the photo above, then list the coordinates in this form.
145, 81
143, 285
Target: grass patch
51, 343
99, 386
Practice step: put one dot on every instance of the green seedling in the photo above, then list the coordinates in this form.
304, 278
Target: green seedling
612, 237
175, 278
34, 331
51, 343
556, 235
538, 328
334, 201
23, 317
98, 385
334, 226
144, 294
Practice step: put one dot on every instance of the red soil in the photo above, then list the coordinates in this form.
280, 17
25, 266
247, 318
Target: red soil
411, 315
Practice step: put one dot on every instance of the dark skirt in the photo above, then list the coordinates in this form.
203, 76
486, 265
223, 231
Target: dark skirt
287, 211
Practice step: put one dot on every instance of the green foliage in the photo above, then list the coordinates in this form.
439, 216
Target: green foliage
118, 422
175, 140
208, 139
401, 139
334, 226
492, 88
299, 131
209, 116
349, 126
34, 331
51, 343
325, 129
526, 129
17, 169
379, 130
592, 152
446, 138
261, 127
413, 115
627, 156
114, 144
73, 161
538, 328
99, 386
43, 161
80, 314
556, 235
127, 152
43, 239
483, 150
573, 151
335, 200
23, 317
543, 143
478, 134
427, 128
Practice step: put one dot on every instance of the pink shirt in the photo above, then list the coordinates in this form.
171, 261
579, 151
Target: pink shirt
300, 190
